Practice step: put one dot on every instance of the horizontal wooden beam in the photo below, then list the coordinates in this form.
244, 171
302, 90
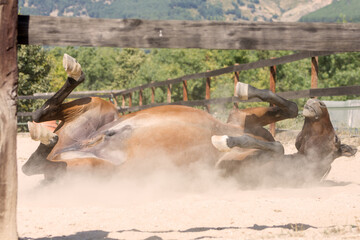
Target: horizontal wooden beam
322, 92
101, 94
136, 33
24, 114
335, 91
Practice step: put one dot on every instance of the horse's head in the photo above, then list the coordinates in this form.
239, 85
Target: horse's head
318, 138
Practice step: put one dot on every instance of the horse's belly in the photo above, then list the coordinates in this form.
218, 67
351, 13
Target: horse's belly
177, 144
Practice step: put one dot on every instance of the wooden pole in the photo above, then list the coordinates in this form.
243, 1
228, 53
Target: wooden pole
169, 93
272, 88
8, 131
152, 95
236, 80
130, 100
140, 97
114, 100
185, 91
314, 71
207, 92
123, 102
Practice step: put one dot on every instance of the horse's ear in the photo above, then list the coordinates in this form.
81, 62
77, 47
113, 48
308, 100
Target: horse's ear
347, 151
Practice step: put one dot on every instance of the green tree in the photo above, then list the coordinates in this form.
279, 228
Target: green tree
339, 70
34, 67
127, 64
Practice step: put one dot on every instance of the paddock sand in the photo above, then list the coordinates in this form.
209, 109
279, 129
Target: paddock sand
184, 205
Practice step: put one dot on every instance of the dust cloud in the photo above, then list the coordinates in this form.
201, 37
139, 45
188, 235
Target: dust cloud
125, 188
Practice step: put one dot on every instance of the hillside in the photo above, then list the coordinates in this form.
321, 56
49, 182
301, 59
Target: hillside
338, 11
230, 10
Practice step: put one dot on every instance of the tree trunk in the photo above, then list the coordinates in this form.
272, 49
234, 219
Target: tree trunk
8, 94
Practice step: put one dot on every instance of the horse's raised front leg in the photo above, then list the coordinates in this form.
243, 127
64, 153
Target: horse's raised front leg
245, 91
261, 116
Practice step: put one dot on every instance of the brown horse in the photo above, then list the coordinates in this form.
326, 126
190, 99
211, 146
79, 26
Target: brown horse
93, 136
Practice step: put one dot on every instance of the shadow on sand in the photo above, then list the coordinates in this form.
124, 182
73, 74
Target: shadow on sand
96, 234
330, 183
102, 235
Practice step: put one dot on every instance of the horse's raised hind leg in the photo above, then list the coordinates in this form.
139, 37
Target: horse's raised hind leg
245, 91
51, 107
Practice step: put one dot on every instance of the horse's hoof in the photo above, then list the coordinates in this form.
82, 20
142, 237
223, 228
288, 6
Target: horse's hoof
242, 90
220, 142
72, 67
33, 130
40, 133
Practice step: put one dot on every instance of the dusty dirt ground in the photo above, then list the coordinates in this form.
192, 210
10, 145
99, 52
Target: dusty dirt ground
183, 206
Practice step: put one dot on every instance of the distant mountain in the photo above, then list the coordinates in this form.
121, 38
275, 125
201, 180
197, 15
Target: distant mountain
338, 11
230, 10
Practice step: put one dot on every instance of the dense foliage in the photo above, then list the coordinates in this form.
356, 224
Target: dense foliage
34, 69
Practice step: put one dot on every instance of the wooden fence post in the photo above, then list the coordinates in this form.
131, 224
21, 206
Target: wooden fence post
140, 97
169, 93
114, 100
8, 131
236, 80
130, 100
207, 92
152, 94
314, 72
273, 89
123, 103
185, 91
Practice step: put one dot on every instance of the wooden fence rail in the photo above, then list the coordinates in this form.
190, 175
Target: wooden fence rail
102, 94
136, 33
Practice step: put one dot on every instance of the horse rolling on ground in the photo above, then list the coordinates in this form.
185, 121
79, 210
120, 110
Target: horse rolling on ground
92, 136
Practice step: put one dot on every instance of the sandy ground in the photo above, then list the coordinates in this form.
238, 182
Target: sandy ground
184, 206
